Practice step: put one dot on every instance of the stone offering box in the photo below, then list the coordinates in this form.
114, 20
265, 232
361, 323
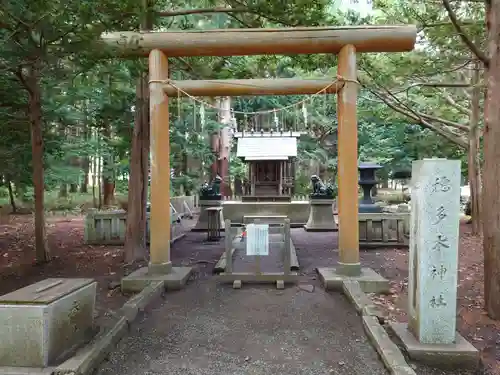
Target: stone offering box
44, 323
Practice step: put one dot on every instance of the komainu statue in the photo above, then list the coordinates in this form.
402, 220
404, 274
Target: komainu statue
211, 191
320, 190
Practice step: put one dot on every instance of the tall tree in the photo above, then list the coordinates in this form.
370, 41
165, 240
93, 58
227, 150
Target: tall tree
491, 186
135, 235
491, 142
37, 37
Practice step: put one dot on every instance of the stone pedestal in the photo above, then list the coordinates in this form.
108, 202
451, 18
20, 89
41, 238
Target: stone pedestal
173, 279
321, 216
460, 354
434, 228
45, 322
202, 224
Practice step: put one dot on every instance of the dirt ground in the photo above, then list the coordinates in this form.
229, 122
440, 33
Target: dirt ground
104, 263
472, 323
70, 258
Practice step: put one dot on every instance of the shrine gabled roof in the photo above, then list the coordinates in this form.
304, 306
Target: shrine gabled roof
266, 148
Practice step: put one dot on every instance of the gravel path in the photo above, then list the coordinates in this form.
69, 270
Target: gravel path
213, 329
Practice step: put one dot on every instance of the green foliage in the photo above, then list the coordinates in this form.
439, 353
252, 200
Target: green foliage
88, 103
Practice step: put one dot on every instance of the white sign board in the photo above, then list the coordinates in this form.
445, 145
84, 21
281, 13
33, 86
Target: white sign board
257, 239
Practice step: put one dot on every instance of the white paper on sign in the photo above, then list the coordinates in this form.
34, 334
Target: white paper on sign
257, 239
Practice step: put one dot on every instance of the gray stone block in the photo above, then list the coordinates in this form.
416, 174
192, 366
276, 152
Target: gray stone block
388, 351
45, 322
459, 354
369, 280
141, 278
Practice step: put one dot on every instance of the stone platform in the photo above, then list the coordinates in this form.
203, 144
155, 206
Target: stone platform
369, 280
138, 280
457, 355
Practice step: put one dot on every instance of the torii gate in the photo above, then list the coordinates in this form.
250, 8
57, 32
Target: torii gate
344, 41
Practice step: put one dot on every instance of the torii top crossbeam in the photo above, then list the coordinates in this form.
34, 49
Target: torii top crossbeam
287, 41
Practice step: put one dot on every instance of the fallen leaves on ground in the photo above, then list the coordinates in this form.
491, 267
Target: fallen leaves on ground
472, 321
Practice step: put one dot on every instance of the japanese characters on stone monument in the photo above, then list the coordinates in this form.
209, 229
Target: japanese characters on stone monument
257, 239
435, 198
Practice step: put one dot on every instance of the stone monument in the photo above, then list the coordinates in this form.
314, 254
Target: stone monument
434, 235
321, 199
210, 196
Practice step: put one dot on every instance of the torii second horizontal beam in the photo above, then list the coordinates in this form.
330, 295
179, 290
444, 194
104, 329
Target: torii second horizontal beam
252, 87
285, 41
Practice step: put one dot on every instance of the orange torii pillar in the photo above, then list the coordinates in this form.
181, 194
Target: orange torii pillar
160, 266
347, 134
348, 266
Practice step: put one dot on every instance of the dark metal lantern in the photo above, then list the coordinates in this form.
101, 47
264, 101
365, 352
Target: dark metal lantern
367, 181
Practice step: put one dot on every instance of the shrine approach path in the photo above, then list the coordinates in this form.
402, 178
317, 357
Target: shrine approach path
212, 329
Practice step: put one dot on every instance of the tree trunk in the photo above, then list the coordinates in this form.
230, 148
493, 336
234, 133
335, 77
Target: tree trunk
85, 183
214, 144
73, 188
94, 179
184, 172
108, 183
238, 187
108, 171
11, 196
473, 156
323, 172
99, 184
108, 190
135, 235
491, 175
225, 144
35, 114
214, 141
63, 191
